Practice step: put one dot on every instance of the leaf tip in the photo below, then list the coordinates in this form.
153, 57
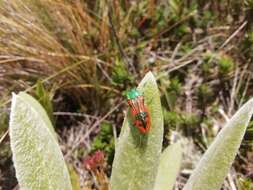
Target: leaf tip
150, 76
13, 103
13, 96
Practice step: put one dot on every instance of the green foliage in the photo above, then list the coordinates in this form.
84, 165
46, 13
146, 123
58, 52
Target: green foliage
104, 141
43, 96
37, 157
249, 134
120, 73
247, 44
172, 92
177, 120
205, 93
172, 119
161, 17
207, 65
190, 119
225, 64
207, 18
175, 8
172, 13
187, 47
181, 31
250, 37
178, 9
175, 86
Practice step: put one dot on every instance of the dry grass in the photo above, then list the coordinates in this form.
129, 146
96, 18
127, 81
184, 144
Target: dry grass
41, 38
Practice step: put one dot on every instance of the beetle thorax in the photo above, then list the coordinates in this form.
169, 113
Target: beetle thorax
141, 116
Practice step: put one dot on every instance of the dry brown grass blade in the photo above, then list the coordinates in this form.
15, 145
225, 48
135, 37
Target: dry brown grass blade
4, 136
55, 33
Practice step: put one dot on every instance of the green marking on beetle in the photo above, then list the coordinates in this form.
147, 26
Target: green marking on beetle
132, 94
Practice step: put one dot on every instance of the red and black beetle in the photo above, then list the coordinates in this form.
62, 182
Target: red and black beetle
139, 111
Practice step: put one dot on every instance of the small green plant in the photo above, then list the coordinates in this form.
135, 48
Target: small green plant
120, 73
225, 64
205, 93
173, 91
247, 44
172, 119
43, 96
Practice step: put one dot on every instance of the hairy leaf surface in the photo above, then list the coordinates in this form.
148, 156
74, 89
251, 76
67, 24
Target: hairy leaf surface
37, 157
214, 165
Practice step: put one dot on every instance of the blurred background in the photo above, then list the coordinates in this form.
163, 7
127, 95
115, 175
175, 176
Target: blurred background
78, 58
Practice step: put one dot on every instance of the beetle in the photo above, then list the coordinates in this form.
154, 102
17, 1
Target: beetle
139, 111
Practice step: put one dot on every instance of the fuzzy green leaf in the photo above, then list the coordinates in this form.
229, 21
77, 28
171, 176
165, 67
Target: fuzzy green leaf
37, 157
37, 106
137, 156
215, 164
169, 167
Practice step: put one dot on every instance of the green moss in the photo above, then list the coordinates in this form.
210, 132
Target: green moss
205, 93
207, 64
172, 119
187, 47
175, 86
190, 119
43, 96
225, 64
183, 30
175, 120
119, 73
173, 92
